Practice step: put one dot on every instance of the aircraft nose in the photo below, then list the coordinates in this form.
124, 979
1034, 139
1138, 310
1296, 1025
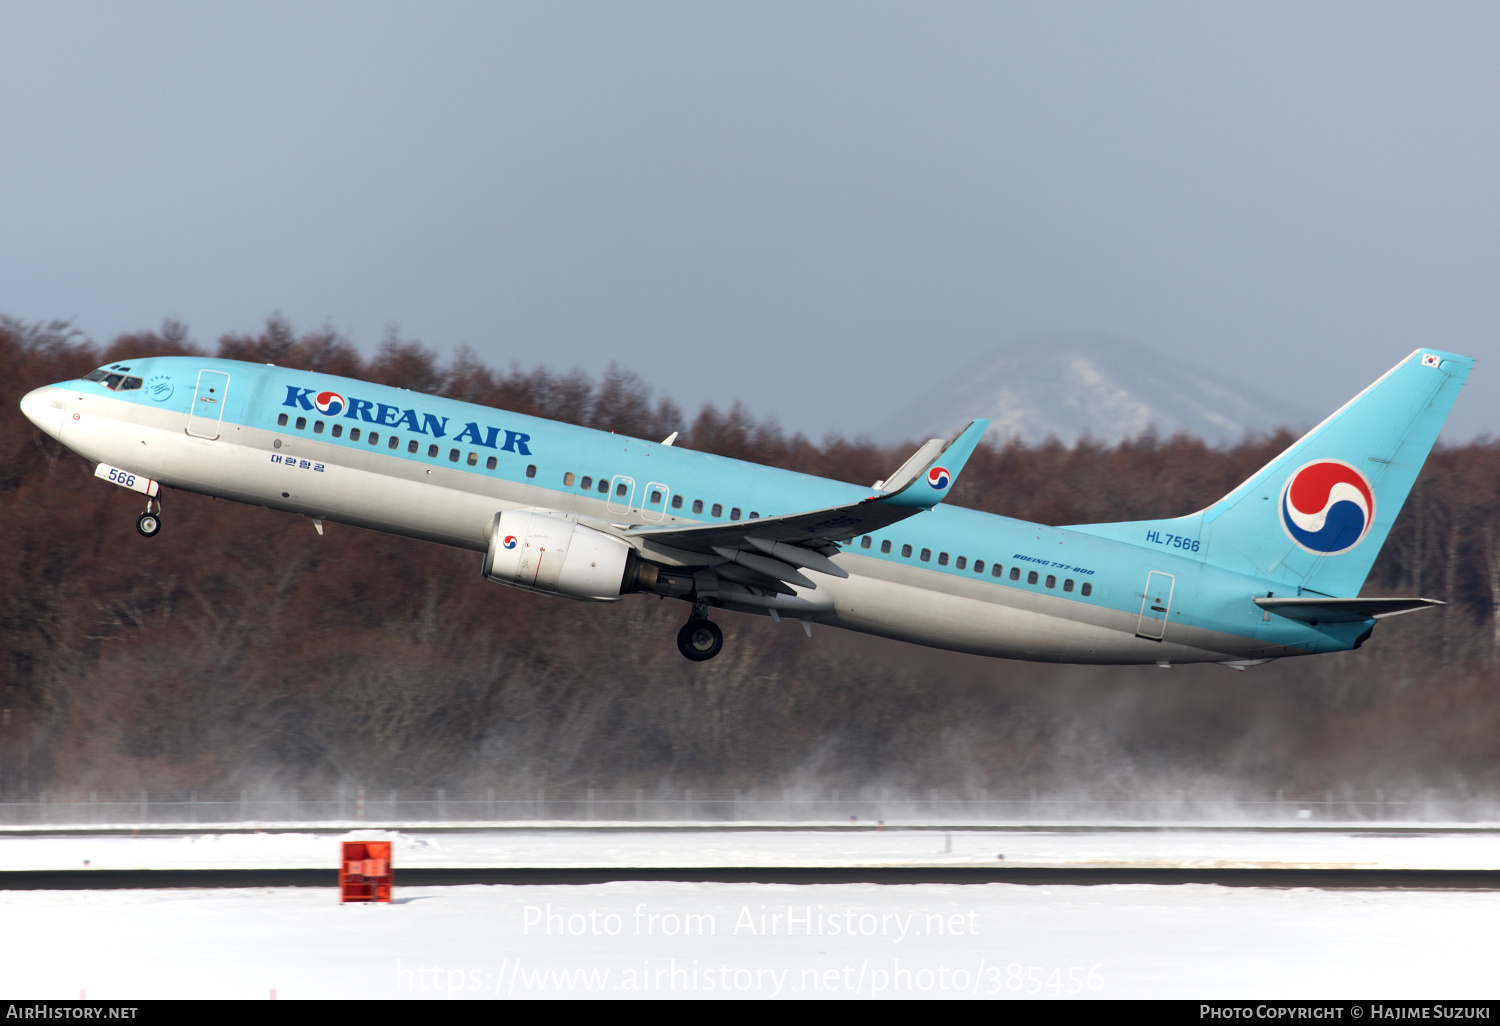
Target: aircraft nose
44, 407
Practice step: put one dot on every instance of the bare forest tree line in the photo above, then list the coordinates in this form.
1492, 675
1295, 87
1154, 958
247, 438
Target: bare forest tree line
240, 649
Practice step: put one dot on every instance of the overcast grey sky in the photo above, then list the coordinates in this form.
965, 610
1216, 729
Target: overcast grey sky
818, 208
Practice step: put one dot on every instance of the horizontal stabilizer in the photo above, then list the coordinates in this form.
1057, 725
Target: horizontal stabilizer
1318, 609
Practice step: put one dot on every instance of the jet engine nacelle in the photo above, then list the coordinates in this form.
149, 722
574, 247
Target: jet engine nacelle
546, 553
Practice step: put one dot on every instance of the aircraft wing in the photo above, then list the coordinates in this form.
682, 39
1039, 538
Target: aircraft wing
775, 546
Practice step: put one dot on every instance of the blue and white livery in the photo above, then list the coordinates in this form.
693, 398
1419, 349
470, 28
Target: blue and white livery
1272, 569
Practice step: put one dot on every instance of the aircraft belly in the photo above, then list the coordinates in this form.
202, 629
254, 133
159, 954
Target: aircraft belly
365, 489
910, 604
244, 464
364, 498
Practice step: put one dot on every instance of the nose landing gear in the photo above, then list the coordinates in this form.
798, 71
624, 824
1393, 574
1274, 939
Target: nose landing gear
149, 523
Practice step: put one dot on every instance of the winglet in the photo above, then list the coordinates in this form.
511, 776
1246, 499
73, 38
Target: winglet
930, 484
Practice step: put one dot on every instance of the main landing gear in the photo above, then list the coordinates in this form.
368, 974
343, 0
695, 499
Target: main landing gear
700, 638
149, 523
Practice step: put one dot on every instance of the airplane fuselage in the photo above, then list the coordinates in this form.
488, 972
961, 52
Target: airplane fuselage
393, 460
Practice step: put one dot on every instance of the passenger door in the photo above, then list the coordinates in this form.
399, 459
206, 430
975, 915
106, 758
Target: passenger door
208, 404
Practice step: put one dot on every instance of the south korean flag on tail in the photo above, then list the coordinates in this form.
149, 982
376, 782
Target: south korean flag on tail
1431, 359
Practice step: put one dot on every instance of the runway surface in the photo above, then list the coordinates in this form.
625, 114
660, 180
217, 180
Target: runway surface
698, 852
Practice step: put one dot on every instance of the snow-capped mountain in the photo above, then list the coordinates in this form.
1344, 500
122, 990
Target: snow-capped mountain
1085, 383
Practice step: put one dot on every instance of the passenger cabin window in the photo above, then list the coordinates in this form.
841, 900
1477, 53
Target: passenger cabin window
281, 421
586, 483
1031, 577
490, 463
338, 431
1068, 584
926, 555
676, 502
354, 434
961, 562
301, 423
603, 487
317, 427
754, 515
531, 470
395, 443
568, 479
717, 510
697, 505
885, 546
1051, 581
411, 446
432, 452
452, 455
374, 437
734, 514
473, 459
906, 552
979, 567
942, 559
1087, 589
864, 542
996, 571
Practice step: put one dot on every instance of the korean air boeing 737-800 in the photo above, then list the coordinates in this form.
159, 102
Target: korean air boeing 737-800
1272, 569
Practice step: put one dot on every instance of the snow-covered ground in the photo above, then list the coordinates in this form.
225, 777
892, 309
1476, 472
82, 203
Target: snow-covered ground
710, 940
755, 940
1467, 849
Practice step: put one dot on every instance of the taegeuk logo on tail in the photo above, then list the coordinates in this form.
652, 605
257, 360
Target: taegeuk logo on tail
1327, 507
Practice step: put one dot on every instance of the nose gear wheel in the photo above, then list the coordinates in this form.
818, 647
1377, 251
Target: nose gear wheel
149, 522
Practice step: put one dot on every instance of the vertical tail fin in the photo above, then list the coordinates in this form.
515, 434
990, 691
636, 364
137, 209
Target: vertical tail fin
1316, 516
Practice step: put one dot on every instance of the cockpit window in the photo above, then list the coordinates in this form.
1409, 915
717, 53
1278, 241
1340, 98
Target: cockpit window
114, 382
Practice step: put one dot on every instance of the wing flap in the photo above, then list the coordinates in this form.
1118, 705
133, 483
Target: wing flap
766, 565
